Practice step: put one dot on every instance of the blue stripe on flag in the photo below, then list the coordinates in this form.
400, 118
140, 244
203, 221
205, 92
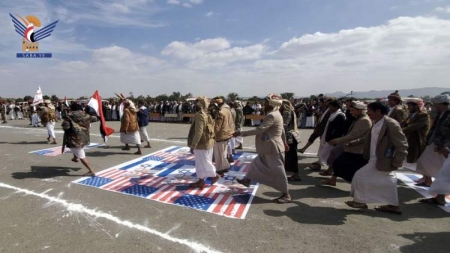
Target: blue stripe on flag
170, 170
193, 201
129, 166
154, 158
143, 160
161, 166
96, 181
140, 190
186, 162
172, 149
43, 152
237, 155
235, 168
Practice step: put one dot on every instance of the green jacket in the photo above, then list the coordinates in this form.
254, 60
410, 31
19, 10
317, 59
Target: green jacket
76, 129
201, 133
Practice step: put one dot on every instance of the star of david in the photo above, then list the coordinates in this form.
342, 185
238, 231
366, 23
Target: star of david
184, 171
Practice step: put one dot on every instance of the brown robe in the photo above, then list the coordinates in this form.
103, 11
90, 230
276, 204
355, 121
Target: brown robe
416, 130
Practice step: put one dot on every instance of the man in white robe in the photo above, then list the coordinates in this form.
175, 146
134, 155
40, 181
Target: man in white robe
48, 119
385, 147
431, 161
201, 143
441, 186
12, 112
223, 130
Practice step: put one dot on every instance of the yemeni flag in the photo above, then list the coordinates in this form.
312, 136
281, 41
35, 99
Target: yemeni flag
95, 108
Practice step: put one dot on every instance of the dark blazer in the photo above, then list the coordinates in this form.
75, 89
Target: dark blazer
142, 117
336, 128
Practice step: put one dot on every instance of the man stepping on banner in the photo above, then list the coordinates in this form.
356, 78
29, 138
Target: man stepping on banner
76, 126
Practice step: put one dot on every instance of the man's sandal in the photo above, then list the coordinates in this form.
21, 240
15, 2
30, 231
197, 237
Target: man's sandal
282, 200
434, 201
197, 184
328, 182
388, 209
294, 179
356, 205
326, 173
243, 182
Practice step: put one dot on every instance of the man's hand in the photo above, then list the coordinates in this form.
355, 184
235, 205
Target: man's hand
286, 147
236, 134
332, 142
444, 151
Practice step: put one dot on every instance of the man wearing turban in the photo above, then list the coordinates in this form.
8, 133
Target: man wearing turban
396, 110
431, 160
201, 142
270, 141
415, 127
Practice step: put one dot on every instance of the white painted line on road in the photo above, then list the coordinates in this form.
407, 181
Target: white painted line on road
78, 208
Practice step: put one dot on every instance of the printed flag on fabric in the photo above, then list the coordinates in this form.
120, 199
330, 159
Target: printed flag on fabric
408, 178
164, 176
96, 108
55, 151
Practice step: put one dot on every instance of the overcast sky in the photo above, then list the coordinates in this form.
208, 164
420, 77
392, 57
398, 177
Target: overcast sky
214, 47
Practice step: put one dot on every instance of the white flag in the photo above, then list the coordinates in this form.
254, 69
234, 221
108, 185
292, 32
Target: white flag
38, 97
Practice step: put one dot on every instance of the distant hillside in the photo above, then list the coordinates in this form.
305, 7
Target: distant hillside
421, 92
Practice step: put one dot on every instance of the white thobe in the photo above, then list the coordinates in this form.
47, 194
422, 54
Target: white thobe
325, 148
203, 163
441, 185
370, 185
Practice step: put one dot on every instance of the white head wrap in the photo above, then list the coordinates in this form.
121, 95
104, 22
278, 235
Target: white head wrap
275, 101
359, 105
441, 99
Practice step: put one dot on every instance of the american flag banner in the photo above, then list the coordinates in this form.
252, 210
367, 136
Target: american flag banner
164, 176
56, 151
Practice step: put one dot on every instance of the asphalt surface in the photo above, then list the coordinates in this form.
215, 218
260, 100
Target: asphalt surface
42, 211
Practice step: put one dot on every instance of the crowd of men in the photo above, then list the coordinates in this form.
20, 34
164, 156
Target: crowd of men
363, 143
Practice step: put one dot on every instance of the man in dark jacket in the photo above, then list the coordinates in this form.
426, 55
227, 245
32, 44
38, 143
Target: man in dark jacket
142, 116
247, 110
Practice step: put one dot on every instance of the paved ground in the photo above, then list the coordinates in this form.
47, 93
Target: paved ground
42, 211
